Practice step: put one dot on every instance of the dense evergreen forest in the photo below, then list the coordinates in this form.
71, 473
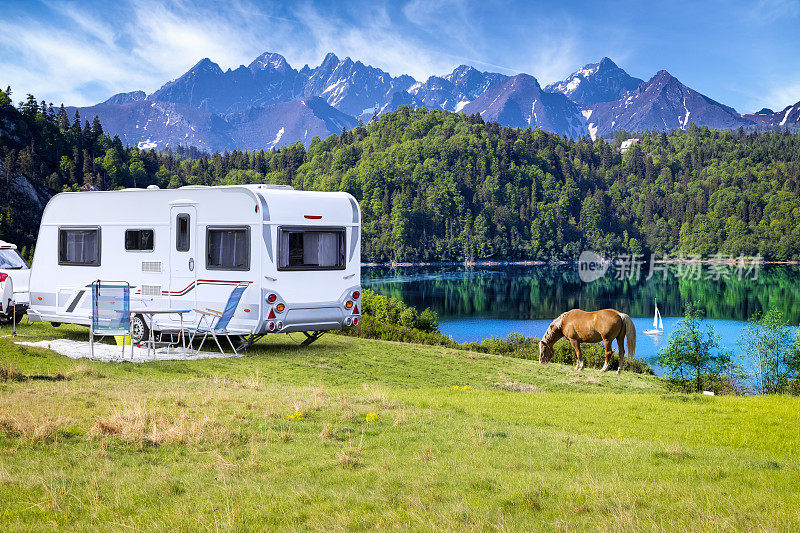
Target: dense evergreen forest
435, 185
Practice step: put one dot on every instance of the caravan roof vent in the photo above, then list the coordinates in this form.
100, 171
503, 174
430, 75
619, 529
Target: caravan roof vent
153, 187
194, 187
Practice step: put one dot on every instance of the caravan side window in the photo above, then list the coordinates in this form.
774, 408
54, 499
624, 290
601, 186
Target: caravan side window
79, 246
228, 248
311, 249
182, 242
139, 240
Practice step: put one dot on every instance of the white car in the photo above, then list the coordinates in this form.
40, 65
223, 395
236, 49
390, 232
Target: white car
14, 275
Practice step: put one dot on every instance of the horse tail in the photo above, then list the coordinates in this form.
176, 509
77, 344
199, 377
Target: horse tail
630, 333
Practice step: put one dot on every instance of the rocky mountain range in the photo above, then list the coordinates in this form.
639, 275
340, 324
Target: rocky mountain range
595, 83
269, 104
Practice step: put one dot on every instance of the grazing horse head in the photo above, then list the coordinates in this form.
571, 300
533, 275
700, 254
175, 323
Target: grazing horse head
545, 353
552, 334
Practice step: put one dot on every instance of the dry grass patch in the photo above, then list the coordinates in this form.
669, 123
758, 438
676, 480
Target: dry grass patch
377, 395
84, 371
350, 454
252, 382
588, 380
518, 387
400, 417
136, 423
34, 428
328, 433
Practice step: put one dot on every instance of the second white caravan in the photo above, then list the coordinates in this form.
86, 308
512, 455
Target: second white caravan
298, 252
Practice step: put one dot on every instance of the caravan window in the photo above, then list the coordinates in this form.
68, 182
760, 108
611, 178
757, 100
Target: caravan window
139, 240
182, 242
228, 248
79, 246
311, 249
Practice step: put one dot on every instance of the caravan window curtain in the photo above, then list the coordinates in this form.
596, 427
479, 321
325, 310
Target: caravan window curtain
79, 246
228, 248
311, 249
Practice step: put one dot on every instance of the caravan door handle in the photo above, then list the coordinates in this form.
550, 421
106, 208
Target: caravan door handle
191, 264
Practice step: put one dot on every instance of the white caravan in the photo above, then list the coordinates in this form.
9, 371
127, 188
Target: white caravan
298, 252
14, 274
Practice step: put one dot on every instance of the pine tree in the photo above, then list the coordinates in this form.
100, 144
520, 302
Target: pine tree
97, 128
61, 118
76, 123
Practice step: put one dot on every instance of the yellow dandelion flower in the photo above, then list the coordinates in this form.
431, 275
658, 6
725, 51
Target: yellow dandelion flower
456, 387
466, 387
371, 417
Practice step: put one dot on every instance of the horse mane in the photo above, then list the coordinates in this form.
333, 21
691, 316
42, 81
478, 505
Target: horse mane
559, 321
554, 325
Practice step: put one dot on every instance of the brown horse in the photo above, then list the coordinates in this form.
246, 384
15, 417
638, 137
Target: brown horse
582, 326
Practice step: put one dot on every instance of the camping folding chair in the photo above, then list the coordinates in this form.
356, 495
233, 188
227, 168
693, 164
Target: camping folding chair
220, 325
111, 315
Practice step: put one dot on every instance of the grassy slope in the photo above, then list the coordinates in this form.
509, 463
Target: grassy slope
207, 445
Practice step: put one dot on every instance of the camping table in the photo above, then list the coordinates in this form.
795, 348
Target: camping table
151, 312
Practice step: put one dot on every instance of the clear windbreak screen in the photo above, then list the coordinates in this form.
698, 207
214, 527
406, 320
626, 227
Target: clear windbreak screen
300, 249
10, 260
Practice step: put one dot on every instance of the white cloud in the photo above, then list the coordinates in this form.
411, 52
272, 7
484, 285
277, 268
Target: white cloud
374, 41
81, 54
779, 98
53, 63
78, 58
766, 11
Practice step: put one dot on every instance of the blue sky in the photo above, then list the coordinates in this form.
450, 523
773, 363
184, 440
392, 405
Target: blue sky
744, 54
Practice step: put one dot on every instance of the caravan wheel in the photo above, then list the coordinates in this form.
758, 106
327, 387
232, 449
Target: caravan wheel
139, 329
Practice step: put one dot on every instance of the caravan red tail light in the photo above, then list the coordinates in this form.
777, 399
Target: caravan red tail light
355, 321
3, 276
356, 295
272, 326
313, 217
272, 297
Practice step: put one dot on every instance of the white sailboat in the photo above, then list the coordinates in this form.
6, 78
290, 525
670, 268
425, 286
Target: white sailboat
658, 324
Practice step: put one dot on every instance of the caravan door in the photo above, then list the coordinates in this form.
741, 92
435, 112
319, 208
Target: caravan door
183, 264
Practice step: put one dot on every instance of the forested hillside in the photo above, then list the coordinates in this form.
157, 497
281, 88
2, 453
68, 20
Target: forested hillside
435, 185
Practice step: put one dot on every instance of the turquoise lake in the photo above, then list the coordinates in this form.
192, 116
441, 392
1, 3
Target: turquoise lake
482, 302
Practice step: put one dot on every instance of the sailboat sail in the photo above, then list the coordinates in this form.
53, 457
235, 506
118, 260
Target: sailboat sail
658, 323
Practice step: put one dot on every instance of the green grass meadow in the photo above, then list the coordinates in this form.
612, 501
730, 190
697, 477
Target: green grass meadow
355, 434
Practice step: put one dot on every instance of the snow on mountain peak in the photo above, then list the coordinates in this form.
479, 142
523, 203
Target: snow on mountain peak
271, 103
270, 60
